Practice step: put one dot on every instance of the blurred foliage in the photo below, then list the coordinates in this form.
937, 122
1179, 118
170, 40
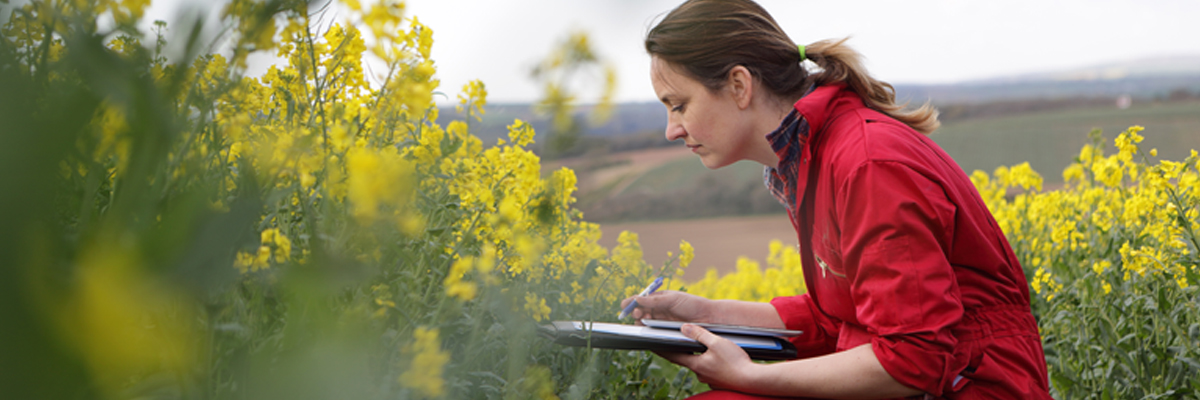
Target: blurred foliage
173, 228
572, 62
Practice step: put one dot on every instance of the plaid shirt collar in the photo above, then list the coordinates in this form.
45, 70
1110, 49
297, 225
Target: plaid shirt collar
787, 140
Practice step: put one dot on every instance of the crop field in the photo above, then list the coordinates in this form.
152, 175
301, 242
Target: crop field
1049, 141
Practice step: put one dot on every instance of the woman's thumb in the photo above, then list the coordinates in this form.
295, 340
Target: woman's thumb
698, 334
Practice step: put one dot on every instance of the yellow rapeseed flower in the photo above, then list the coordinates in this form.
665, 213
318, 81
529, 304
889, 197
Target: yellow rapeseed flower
1127, 143
538, 383
1108, 171
520, 133
376, 179
454, 284
536, 307
1073, 173
1024, 176
121, 322
424, 374
472, 99
1088, 155
686, 253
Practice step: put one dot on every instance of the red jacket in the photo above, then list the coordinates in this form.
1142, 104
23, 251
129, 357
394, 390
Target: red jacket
900, 251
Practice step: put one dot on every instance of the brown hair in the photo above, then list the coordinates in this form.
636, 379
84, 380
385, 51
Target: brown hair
707, 38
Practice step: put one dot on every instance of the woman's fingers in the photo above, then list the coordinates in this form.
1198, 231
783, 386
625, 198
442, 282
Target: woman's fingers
723, 362
670, 305
706, 338
650, 305
682, 359
721, 366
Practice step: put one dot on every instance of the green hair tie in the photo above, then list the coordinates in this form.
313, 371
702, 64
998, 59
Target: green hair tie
802, 55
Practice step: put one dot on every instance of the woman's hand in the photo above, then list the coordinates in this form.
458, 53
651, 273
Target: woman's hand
671, 305
724, 365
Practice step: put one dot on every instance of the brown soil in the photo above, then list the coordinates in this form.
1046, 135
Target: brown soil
718, 241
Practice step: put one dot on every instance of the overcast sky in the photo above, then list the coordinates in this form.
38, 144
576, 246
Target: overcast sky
913, 41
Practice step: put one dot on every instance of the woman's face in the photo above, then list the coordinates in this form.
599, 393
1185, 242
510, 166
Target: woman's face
710, 123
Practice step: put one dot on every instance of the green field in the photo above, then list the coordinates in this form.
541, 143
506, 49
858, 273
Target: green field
1050, 140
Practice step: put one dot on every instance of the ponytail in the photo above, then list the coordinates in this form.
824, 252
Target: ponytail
840, 63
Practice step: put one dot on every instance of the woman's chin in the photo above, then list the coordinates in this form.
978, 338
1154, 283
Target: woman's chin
712, 162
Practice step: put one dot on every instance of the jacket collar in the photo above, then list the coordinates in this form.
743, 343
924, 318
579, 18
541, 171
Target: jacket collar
794, 139
819, 107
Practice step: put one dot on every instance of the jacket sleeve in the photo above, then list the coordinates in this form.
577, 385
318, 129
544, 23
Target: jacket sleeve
896, 226
801, 314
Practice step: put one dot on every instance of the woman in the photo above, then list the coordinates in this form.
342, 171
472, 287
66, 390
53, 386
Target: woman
913, 289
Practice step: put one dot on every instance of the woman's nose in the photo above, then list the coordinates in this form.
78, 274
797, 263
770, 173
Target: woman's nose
675, 131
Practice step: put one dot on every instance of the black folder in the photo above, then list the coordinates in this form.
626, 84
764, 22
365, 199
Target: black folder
760, 344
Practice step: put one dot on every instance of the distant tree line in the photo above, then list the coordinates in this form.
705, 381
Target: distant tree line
966, 110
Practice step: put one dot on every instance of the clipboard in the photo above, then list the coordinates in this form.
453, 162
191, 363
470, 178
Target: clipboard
722, 328
605, 335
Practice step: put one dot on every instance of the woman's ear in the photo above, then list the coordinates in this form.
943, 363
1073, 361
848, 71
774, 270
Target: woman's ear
741, 85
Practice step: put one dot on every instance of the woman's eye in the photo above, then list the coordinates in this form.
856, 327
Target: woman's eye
678, 108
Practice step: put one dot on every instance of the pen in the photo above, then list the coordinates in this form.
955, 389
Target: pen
645, 292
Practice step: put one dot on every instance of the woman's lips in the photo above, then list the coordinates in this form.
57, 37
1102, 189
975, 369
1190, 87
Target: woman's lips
694, 147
